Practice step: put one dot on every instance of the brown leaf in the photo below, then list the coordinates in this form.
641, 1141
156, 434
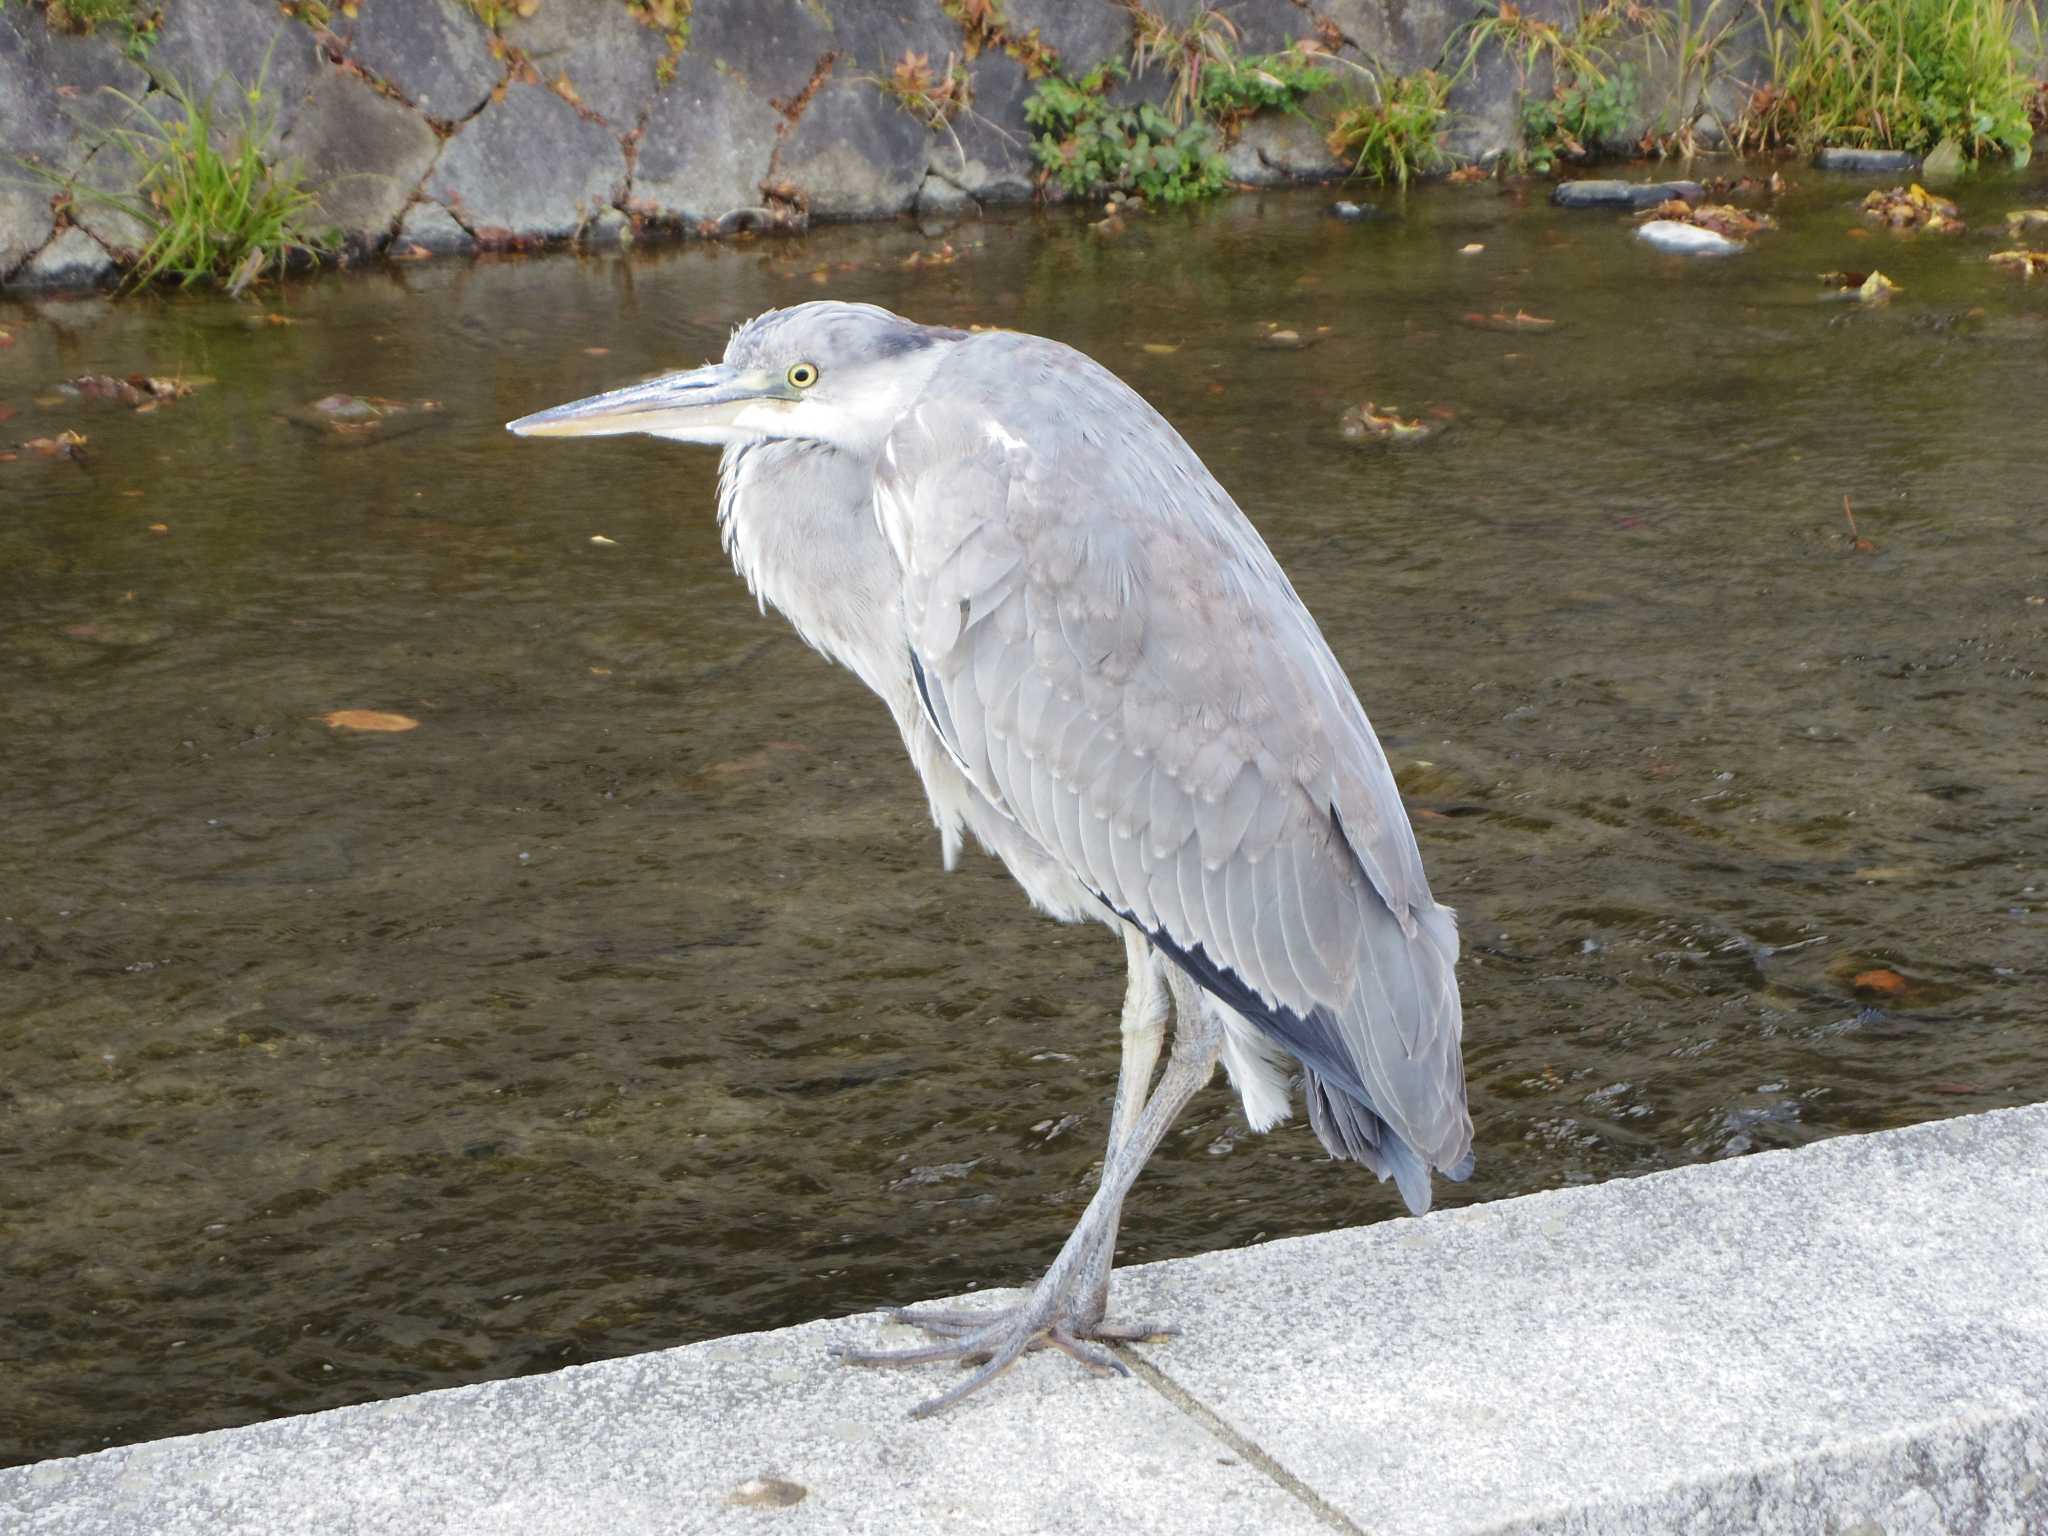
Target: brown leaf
1888, 983
367, 720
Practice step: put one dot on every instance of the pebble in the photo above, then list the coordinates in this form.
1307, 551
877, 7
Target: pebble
1687, 239
1624, 194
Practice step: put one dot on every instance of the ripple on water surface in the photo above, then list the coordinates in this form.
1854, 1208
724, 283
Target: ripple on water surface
620, 1002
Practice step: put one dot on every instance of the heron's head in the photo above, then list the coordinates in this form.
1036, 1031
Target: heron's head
832, 373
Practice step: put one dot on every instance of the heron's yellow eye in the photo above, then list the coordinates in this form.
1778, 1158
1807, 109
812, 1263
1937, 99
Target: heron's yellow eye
803, 375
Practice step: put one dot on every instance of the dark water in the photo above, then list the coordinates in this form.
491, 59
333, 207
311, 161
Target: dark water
623, 1002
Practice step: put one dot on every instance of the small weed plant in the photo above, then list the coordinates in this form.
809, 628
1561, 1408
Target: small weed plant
1398, 133
1578, 114
215, 205
135, 21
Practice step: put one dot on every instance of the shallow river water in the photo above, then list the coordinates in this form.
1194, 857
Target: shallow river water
623, 1002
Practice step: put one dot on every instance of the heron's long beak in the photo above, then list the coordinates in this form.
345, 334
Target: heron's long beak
702, 406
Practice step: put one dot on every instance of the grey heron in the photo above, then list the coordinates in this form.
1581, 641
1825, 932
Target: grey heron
1103, 677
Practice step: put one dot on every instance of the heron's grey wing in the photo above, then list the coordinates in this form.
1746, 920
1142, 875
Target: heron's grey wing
1117, 662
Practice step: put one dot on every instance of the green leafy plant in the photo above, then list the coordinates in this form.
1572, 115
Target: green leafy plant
1575, 115
1089, 144
1892, 74
215, 204
1240, 86
1399, 132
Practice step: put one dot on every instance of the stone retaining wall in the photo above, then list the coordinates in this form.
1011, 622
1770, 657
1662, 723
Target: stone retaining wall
428, 128
425, 127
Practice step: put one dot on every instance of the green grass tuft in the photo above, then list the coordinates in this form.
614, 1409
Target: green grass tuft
215, 205
1893, 74
1399, 133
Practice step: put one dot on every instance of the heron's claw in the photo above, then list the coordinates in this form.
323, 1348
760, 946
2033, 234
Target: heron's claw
994, 1340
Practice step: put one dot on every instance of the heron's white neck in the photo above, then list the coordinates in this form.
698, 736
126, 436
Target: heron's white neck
798, 520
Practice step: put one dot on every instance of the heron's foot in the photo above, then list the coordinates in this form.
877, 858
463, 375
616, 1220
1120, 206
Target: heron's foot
995, 1339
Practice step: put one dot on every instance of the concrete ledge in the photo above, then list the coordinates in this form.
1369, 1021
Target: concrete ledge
1848, 1340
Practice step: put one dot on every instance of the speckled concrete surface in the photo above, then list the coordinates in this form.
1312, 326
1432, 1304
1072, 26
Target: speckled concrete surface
1850, 1338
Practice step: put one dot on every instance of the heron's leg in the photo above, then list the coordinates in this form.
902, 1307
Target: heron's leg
1043, 1316
1143, 1033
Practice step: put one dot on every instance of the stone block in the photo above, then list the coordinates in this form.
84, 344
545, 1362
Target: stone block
1082, 35
362, 153
609, 59
25, 221
432, 228
529, 166
984, 153
707, 146
220, 45
55, 89
768, 48
1277, 147
73, 260
871, 35
434, 53
855, 153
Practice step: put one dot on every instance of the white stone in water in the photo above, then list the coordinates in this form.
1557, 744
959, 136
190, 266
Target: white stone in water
1687, 239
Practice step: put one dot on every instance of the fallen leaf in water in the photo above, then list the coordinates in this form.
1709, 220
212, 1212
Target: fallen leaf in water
137, 391
6, 338
1722, 219
1471, 250
159, 527
367, 720
597, 351
1913, 208
65, 445
2026, 263
1857, 234
600, 671
1161, 348
1499, 320
598, 538
1464, 175
268, 320
1888, 982
6, 410
1381, 422
1876, 289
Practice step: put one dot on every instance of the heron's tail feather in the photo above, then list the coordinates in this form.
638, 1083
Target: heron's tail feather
1350, 1130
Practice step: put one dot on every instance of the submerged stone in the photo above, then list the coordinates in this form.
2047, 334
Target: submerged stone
1358, 213
1879, 160
1687, 239
1624, 194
